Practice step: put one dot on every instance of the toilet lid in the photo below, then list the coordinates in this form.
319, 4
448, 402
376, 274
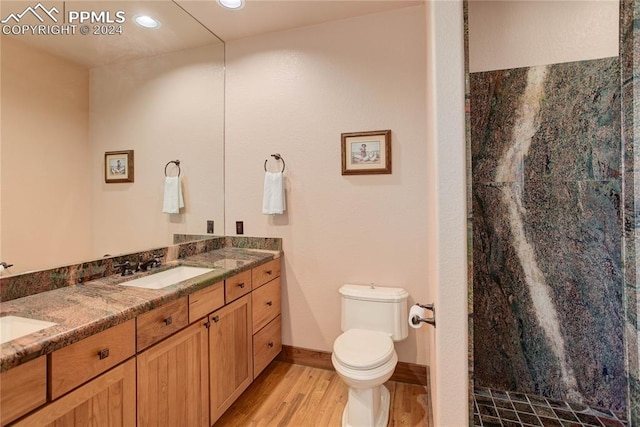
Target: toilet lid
362, 349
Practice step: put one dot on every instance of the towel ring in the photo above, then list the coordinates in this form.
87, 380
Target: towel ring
276, 156
176, 162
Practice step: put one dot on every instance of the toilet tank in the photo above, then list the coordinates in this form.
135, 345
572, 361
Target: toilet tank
375, 308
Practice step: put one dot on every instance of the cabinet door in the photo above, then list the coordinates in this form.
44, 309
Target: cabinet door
173, 380
230, 354
23, 389
108, 400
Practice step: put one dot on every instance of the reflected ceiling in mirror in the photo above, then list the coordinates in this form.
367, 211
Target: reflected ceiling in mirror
67, 99
107, 42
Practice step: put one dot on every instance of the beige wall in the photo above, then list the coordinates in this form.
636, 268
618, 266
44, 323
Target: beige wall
44, 185
294, 93
511, 34
166, 107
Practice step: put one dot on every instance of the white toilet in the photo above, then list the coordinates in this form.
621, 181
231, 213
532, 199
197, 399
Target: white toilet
373, 317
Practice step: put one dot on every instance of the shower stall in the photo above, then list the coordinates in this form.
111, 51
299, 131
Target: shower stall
554, 158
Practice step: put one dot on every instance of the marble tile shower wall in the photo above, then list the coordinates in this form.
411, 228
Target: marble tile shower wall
548, 314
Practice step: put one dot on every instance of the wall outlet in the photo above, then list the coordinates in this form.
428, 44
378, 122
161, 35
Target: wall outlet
239, 227
210, 227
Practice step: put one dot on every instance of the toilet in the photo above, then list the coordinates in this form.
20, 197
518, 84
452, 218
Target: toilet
373, 317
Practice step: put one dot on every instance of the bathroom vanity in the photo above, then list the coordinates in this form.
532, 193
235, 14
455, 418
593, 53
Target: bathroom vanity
178, 355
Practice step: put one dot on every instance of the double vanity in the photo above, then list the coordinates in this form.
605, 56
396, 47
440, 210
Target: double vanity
175, 345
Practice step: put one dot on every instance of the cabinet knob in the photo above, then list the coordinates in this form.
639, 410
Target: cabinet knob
269, 303
216, 319
270, 344
168, 321
269, 272
103, 354
241, 285
207, 324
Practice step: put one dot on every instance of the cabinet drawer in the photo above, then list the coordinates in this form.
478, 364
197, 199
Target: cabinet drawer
236, 286
265, 302
75, 364
206, 301
265, 273
22, 389
267, 343
161, 322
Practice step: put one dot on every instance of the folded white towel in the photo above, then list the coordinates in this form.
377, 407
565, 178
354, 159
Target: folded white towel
173, 200
273, 201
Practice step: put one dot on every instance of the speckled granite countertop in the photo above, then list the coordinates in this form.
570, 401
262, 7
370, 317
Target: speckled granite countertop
83, 310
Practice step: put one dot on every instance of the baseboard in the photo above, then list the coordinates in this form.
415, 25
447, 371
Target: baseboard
405, 372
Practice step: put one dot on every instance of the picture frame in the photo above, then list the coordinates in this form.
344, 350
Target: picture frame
365, 153
118, 166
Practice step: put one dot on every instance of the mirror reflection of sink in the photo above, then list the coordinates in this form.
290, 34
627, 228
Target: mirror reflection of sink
166, 278
12, 327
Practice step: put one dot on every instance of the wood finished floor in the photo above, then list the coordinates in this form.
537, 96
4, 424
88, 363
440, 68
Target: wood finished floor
300, 396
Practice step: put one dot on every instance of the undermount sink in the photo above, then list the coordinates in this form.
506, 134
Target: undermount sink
167, 277
13, 327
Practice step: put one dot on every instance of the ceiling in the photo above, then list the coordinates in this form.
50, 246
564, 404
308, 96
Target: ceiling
177, 30
266, 16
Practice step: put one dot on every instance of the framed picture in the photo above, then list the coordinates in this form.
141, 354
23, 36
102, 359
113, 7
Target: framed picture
118, 166
366, 152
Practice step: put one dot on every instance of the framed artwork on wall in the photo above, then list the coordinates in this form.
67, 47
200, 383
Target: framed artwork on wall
365, 153
118, 166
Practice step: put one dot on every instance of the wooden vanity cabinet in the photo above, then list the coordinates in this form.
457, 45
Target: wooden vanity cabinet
230, 354
173, 380
108, 400
267, 326
23, 389
237, 286
206, 301
159, 323
195, 357
76, 364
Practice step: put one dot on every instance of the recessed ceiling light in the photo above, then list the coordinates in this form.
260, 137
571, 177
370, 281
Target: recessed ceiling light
231, 4
146, 21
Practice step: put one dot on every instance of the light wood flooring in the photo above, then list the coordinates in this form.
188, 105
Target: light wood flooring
300, 396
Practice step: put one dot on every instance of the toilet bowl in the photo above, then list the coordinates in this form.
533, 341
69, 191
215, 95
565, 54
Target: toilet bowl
365, 360
364, 355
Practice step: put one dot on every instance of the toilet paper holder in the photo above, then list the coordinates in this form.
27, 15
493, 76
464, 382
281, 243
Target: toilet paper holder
430, 320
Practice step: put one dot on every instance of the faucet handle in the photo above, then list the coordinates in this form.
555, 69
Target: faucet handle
125, 268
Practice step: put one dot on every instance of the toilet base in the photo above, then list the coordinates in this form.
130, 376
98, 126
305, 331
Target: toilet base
367, 408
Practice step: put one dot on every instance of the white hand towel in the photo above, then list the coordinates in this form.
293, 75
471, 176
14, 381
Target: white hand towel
273, 201
173, 200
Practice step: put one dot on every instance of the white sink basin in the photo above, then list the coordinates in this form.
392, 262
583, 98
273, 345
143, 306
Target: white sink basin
12, 327
167, 277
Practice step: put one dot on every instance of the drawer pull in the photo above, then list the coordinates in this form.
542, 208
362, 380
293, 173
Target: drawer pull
168, 321
103, 354
241, 285
269, 272
270, 344
216, 319
269, 303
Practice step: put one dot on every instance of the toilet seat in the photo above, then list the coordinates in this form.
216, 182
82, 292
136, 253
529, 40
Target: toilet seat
361, 349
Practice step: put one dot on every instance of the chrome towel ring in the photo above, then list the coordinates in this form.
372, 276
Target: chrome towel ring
276, 156
175, 162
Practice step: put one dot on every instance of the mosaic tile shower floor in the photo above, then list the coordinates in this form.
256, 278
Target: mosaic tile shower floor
509, 409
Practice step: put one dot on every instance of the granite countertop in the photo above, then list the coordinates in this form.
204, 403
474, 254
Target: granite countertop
82, 310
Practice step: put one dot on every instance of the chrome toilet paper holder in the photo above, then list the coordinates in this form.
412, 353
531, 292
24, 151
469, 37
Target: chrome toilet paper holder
430, 320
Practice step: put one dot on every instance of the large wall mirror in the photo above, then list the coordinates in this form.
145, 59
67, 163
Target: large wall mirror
70, 96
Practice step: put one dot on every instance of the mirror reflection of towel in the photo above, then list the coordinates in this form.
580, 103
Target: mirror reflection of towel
273, 201
173, 200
